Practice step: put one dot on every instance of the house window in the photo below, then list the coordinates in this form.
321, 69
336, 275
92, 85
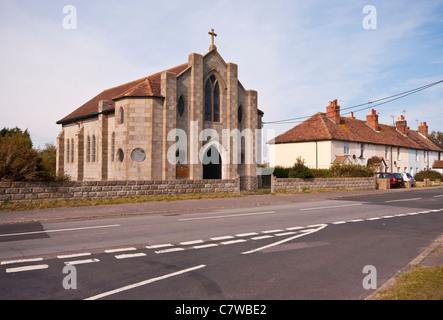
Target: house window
398, 154
113, 147
362, 150
72, 150
386, 153
88, 149
212, 100
122, 115
416, 155
180, 106
93, 148
67, 151
346, 148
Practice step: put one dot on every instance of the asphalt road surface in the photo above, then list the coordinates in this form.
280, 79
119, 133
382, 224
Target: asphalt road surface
305, 250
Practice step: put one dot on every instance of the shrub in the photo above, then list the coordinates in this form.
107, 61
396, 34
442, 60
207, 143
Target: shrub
299, 170
281, 172
351, 171
428, 174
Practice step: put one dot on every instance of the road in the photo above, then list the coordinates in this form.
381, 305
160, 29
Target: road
292, 251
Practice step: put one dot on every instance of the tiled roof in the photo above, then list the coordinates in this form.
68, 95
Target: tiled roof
320, 127
146, 87
438, 164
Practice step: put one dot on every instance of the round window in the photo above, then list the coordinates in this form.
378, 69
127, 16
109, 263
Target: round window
138, 155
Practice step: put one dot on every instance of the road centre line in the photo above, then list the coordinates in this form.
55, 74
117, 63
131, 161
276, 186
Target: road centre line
27, 268
59, 230
73, 263
401, 200
159, 246
142, 283
120, 250
21, 261
247, 234
75, 255
222, 238
130, 255
187, 243
273, 231
340, 206
169, 250
229, 216
210, 245
233, 242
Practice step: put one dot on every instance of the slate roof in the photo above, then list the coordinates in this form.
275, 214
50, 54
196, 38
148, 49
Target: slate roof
320, 127
146, 87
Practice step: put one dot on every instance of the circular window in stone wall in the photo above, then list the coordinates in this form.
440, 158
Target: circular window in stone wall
138, 155
120, 155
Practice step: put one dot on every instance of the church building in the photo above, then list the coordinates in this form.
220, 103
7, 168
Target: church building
193, 121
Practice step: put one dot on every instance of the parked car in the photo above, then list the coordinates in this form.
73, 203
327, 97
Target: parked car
408, 177
396, 179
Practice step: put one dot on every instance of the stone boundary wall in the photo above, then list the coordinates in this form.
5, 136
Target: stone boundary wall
25, 191
293, 184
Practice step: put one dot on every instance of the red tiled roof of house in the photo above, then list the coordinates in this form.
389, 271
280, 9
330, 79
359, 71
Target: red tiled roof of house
320, 127
146, 87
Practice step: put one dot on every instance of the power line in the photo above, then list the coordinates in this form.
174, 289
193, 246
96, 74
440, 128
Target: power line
369, 104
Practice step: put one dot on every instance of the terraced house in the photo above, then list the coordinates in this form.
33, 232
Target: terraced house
327, 138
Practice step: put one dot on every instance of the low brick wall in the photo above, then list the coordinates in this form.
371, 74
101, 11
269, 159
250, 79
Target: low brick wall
24, 191
292, 184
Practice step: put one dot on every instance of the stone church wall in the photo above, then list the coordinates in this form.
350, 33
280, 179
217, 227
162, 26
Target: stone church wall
21, 191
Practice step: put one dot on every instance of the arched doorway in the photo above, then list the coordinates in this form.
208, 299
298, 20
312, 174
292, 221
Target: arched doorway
212, 164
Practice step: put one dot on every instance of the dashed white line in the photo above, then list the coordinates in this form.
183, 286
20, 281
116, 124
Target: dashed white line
159, 246
233, 241
120, 250
187, 243
387, 217
340, 206
339, 222
294, 228
73, 263
210, 245
262, 237
273, 231
247, 234
75, 255
27, 268
130, 255
222, 238
169, 250
21, 261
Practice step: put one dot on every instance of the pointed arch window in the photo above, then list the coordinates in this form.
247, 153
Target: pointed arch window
88, 150
94, 144
181, 106
67, 151
72, 150
212, 100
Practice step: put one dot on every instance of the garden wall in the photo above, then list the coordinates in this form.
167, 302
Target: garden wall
294, 184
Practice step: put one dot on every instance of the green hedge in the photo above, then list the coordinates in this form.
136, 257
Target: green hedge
299, 170
429, 174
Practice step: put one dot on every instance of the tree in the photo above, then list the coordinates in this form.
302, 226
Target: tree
299, 170
437, 137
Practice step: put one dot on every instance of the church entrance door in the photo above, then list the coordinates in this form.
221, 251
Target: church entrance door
212, 166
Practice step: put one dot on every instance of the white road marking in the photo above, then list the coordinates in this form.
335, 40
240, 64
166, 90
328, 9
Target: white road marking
374, 218
273, 231
59, 230
229, 216
356, 220
142, 283
339, 222
73, 263
120, 250
187, 243
285, 240
401, 200
75, 255
289, 233
21, 261
340, 206
27, 268
262, 237
169, 250
246, 234
387, 217
158, 246
438, 196
294, 228
222, 238
210, 245
130, 255
233, 242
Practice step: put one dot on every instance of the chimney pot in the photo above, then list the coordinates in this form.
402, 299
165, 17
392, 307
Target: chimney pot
333, 111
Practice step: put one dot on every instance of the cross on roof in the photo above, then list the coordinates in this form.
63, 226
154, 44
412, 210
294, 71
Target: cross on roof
212, 34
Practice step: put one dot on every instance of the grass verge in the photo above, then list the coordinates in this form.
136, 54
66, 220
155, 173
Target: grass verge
46, 204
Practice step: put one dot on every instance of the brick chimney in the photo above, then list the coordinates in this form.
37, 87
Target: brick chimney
401, 125
423, 129
372, 120
333, 111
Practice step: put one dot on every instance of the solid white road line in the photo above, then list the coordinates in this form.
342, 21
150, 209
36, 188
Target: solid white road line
21, 261
401, 200
73, 263
59, 230
229, 216
340, 206
130, 255
142, 283
285, 240
27, 268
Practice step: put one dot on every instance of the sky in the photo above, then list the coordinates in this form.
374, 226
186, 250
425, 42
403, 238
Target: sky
298, 55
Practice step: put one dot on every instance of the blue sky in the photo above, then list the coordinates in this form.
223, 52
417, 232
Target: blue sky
298, 55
